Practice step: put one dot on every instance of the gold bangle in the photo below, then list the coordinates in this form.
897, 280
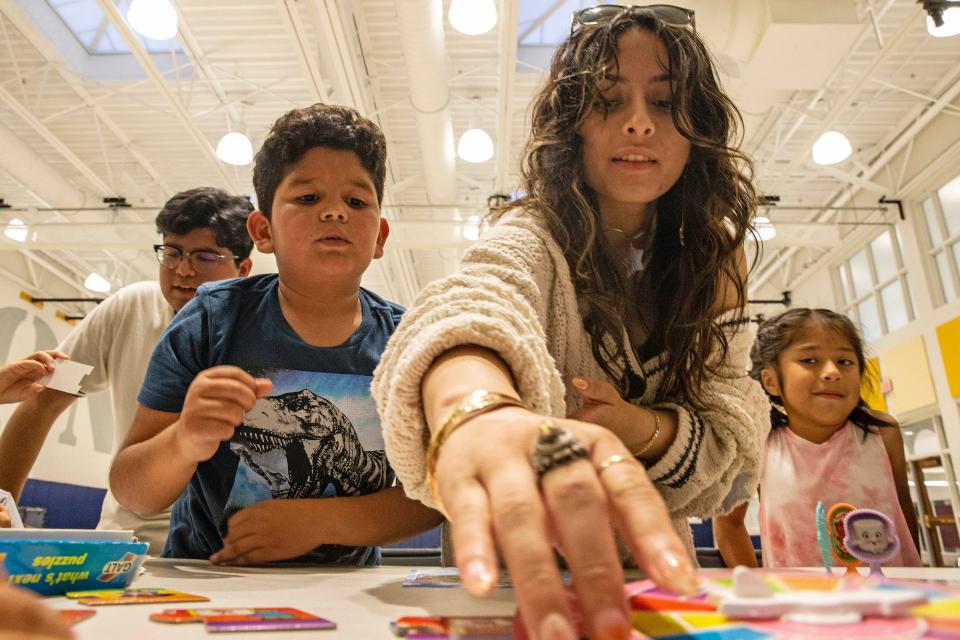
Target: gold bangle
656, 432
475, 404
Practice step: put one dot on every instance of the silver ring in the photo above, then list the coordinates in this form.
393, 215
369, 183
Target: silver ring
555, 447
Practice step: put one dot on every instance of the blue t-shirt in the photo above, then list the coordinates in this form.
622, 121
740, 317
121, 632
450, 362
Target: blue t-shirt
317, 435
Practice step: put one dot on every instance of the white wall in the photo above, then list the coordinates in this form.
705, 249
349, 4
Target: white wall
77, 450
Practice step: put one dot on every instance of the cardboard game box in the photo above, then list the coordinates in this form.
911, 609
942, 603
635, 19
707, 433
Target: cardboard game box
54, 561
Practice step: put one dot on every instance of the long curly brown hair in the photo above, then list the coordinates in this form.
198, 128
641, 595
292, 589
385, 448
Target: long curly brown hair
713, 200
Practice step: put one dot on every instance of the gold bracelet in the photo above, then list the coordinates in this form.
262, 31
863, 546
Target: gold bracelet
475, 404
656, 432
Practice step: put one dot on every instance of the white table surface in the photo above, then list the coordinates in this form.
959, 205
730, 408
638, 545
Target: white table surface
362, 601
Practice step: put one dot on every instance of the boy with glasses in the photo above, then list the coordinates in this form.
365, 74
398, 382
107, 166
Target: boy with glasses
207, 227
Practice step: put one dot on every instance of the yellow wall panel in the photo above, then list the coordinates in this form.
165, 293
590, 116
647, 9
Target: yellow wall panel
948, 334
906, 366
870, 389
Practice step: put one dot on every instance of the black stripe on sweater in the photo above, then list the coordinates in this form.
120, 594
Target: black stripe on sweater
688, 461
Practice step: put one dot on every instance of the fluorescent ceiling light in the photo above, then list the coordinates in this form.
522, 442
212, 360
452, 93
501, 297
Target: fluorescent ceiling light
16, 230
831, 148
475, 145
154, 19
950, 26
764, 228
235, 148
96, 282
472, 17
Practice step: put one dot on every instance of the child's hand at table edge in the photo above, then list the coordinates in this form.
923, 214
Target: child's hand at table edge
268, 531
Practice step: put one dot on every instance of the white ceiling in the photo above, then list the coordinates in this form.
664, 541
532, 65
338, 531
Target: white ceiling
75, 128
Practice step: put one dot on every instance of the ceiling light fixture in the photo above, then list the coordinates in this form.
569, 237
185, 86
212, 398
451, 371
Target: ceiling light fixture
235, 148
764, 228
949, 23
16, 230
154, 19
472, 17
97, 283
475, 146
832, 147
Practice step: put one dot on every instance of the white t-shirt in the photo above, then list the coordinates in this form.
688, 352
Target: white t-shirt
117, 338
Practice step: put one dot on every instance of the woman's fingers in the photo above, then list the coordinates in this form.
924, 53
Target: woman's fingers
643, 519
599, 391
575, 497
472, 535
520, 522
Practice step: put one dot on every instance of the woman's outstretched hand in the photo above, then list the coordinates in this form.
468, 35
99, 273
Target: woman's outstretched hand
494, 497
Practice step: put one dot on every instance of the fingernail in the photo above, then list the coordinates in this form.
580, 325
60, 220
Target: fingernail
611, 623
479, 576
676, 572
556, 627
580, 383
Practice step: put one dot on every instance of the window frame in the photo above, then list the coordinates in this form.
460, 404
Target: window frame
947, 247
850, 306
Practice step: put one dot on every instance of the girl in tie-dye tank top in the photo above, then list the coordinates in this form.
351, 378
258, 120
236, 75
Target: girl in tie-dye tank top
825, 444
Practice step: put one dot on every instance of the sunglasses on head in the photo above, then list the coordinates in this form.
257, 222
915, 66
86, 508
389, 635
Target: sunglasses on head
667, 13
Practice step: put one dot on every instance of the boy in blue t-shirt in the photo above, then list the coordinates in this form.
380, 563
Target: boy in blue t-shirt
256, 402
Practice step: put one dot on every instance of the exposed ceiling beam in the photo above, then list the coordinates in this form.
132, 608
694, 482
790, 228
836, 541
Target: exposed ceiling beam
199, 59
36, 175
136, 48
839, 105
54, 141
27, 29
290, 16
850, 178
844, 195
534, 24
506, 78
774, 125
337, 57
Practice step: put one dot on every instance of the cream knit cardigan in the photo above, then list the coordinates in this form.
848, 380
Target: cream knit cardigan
513, 294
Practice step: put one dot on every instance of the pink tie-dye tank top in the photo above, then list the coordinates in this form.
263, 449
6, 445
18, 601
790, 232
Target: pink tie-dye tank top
796, 473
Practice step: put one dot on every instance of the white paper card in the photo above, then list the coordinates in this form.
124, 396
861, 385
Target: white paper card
7, 501
67, 376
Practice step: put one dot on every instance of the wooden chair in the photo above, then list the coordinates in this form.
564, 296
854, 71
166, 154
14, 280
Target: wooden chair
930, 520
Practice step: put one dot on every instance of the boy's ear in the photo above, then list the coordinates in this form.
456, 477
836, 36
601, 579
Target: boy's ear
381, 238
258, 226
770, 381
244, 267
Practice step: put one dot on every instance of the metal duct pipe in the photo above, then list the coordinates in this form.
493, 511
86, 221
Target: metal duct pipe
424, 50
29, 169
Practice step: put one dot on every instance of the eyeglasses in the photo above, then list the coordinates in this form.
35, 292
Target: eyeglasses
202, 261
667, 13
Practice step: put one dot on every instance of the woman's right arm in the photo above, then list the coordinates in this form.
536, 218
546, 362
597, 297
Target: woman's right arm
484, 329
492, 495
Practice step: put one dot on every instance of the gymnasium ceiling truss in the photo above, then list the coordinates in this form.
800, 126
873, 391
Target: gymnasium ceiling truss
77, 127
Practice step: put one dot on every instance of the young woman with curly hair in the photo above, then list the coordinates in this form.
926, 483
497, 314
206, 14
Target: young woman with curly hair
599, 327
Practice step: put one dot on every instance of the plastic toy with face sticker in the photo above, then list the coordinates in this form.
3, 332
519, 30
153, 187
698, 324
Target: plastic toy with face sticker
870, 537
